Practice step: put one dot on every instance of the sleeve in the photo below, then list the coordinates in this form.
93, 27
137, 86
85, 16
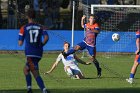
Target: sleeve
59, 58
21, 33
138, 34
97, 27
44, 29
45, 32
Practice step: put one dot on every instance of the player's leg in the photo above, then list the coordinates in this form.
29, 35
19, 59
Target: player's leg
134, 69
33, 63
79, 46
68, 70
77, 72
92, 52
28, 77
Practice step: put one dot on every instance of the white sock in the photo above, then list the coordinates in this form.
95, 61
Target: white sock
44, 90
29, 87
130, 78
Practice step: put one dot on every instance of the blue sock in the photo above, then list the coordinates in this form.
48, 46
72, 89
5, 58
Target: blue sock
71, 51
132, 75
40, 83
28, 79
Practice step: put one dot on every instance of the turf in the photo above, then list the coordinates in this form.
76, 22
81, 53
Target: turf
115, 69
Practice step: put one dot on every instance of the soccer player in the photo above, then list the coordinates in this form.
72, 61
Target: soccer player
70, 65
89, 42
137, 59
32, 34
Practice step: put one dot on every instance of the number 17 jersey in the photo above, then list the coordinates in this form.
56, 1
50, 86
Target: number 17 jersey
32, 35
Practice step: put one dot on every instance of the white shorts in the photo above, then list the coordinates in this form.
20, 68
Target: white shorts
75, 70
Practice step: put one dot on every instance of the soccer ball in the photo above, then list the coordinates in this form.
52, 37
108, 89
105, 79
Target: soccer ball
115, 37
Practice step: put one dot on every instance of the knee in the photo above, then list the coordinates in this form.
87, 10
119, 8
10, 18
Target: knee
26, 70
93, 59
35, 73
136, 63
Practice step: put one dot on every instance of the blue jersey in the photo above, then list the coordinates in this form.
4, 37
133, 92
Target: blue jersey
138, 34
32, 34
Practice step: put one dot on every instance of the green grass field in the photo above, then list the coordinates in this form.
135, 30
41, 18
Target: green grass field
115, 69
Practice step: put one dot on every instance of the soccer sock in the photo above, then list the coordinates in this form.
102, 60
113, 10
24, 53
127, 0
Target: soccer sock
69, 72
132, 75
71, 51
40, 83
96, 63
28, 80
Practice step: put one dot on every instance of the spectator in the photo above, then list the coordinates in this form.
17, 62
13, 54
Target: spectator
112, 2
11, 16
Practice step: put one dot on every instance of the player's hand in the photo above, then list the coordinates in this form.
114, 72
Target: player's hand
47, 72
83, 17
88, 63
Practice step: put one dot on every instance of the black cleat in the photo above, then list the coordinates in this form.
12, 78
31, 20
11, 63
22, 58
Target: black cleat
99, 72
29, 91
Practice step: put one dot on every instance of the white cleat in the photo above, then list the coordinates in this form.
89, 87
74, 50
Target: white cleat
130, 80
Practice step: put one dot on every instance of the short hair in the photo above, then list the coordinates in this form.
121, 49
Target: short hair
31, 13
95, 17
92, 15
67, 43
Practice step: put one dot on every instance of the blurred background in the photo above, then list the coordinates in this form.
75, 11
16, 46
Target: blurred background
54, 14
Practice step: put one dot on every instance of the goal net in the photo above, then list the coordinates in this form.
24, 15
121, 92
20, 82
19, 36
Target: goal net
121, 19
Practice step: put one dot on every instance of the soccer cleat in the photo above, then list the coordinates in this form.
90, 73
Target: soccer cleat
130, 80
99, 73
29, 91
73, 77
46, 91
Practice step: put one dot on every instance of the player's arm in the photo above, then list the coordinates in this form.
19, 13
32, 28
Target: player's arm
21, 36
55, 64
82, 21
81, 61
52, 68
138, 45
46, 37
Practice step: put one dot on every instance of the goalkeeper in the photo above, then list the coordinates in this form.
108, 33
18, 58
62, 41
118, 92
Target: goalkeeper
89, 42
70, 65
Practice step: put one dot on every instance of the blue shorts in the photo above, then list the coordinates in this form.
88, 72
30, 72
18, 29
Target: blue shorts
91, 50
32, 63
137, 58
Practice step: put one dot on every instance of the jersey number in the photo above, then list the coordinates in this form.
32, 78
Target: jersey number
33, 35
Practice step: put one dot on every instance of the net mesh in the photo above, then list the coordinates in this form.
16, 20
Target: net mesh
122, 20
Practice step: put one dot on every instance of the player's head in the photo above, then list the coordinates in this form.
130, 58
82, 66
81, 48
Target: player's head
91, 18
31, 14
66, 45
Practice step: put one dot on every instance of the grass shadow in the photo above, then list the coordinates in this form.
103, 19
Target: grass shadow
80, 90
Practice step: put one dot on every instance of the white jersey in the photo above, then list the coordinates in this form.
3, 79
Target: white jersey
68, 61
